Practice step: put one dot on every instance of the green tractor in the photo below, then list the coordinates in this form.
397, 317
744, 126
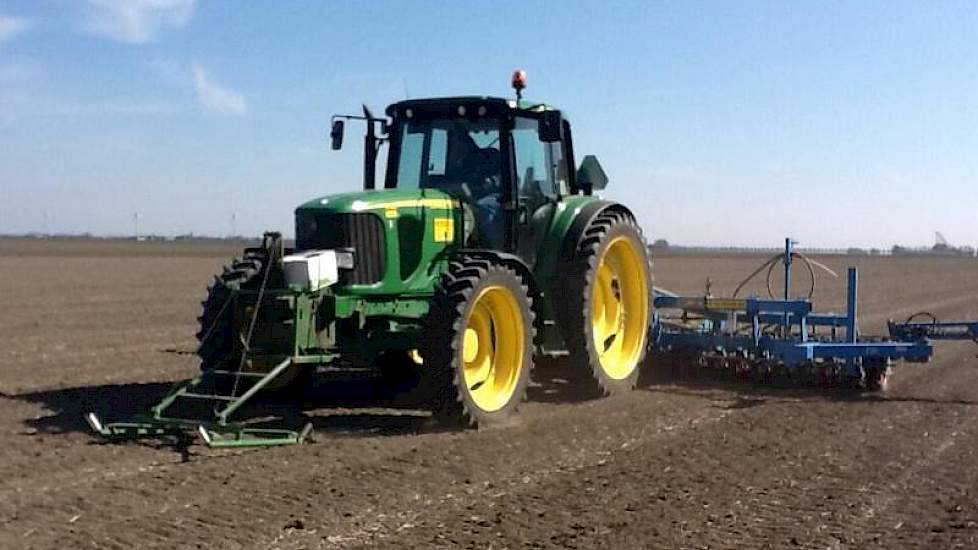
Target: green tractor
480, 251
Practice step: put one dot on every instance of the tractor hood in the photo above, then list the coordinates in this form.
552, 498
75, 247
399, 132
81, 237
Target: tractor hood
393, 234
384, 201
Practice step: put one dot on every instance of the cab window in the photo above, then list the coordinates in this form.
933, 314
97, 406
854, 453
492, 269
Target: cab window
534, 164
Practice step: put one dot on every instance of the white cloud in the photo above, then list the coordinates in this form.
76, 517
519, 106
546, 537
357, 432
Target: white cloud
10, 27
136, 21
215, 97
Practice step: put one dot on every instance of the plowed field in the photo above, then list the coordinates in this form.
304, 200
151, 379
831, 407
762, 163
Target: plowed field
674, 464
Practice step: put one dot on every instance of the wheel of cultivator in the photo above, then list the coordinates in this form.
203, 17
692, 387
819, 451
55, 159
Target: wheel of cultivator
604, 313
478, 350
877, 375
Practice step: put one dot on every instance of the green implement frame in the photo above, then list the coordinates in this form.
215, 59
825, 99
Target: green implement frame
216, 431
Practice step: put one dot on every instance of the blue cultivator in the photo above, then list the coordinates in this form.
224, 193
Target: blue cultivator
783, 339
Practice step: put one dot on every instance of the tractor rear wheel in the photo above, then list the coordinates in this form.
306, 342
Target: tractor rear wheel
606, 304
478, 349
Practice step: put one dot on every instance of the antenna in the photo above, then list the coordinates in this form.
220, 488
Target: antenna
234, 225
47, 230
135, 224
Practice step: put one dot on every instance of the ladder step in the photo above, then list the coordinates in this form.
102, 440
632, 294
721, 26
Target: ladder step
240, 374
208, 396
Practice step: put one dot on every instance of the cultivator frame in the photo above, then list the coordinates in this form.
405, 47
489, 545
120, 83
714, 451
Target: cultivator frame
761, 338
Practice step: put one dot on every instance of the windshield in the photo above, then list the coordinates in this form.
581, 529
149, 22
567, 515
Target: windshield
449, 154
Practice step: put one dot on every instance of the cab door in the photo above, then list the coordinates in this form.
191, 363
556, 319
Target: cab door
540, 180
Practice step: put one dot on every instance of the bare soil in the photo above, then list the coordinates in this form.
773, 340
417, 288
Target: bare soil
675, 464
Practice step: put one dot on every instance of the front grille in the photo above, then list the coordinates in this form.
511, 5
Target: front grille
362, 232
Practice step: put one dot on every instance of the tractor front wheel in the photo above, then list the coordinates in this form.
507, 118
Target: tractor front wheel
479, 343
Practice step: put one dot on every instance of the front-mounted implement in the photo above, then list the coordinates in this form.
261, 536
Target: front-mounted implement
240, 359
215, 429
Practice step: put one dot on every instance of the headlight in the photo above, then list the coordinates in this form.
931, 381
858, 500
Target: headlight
345, 258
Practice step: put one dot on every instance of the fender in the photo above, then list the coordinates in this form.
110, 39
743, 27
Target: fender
511, 260
566, 231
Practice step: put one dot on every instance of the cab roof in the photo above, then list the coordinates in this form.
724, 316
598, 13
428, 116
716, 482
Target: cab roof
450, 106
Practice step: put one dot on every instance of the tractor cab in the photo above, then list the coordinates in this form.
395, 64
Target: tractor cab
496, 155
510, 161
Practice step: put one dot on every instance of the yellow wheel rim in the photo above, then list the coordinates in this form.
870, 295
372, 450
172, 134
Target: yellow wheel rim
620, 308
492, 348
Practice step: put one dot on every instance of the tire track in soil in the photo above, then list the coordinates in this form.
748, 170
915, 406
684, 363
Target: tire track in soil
359, 472
751, 478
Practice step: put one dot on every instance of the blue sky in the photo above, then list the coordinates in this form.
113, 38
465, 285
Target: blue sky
839, 123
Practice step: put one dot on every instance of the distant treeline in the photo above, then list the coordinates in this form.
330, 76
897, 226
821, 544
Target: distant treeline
659, 245
190, 237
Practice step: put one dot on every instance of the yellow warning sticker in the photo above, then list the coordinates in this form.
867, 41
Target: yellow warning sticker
444, 230
390, 211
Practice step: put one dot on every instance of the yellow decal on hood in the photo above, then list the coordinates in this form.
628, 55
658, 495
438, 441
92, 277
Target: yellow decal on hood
444, 230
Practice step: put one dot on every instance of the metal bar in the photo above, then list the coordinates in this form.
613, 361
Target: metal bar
252, 437
852, 294
176, 391
272, 374
243, 374
815, 319
787, 281
793, 353
948, 330
852, 325
797, 307
215, 397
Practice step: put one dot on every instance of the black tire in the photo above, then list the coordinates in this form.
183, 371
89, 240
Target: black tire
217, 338
876, 374
467, 280
575, 304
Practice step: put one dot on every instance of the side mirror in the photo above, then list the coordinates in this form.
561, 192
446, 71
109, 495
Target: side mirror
551, 126
591, 176
336, 135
